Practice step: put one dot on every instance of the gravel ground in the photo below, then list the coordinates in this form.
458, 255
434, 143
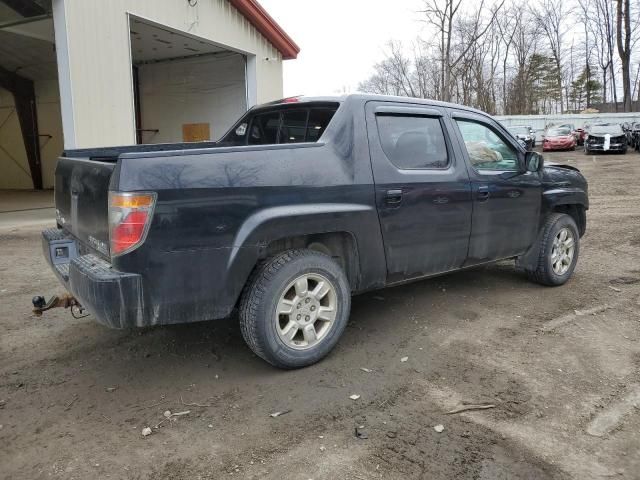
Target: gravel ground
561, 366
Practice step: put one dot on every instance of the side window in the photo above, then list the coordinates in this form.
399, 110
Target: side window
264, 129
238, 136
487, 151
294, 126
413, 142
319, 119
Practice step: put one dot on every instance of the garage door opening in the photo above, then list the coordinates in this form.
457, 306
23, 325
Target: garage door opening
30, 121
185, 89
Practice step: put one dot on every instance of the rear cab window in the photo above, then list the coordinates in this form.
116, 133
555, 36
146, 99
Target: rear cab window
289, 124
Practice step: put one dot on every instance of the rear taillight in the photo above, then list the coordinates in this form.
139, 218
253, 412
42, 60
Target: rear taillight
129, 219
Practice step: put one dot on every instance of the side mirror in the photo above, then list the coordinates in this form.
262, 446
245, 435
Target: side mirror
533, 162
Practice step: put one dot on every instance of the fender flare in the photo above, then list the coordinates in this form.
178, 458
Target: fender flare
276, 223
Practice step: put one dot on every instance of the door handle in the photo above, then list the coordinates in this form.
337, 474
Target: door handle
393, 197
483, 193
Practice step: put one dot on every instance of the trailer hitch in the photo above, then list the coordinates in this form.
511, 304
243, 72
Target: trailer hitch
40, 305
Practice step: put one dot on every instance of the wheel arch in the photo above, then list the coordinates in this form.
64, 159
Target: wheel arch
577, 212
339, 245
571, 201
343, 231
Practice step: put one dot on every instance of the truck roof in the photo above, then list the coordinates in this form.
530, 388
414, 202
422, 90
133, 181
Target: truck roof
365, 97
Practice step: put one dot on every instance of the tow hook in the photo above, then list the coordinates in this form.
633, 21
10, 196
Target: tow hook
63, 301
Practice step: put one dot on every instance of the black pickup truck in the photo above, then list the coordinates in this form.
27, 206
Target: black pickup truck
303, 203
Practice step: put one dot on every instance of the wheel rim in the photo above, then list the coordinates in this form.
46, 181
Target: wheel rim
564, 247
306, 311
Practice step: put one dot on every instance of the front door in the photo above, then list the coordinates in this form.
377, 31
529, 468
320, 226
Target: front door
506, 201
423, 192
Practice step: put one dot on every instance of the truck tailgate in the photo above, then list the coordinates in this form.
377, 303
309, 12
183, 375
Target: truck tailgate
82, 196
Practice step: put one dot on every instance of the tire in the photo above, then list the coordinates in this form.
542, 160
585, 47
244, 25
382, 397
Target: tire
273, 285
545, 272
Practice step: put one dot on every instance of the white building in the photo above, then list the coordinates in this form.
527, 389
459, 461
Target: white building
90, 73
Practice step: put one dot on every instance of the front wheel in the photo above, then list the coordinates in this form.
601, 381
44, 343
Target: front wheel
295, 308
559, 250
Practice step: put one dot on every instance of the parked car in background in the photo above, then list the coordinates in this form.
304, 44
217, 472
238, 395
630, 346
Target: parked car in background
605, 137
559, 138
633, 135
524, 133
580, 134
303, 203
574, 131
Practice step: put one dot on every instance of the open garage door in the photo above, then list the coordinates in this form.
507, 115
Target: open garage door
30, 122
185, 89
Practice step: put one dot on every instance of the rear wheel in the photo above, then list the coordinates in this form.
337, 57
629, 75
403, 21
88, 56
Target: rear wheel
295, 308
559, 250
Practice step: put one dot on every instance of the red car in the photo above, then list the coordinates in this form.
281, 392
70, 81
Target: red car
558, 139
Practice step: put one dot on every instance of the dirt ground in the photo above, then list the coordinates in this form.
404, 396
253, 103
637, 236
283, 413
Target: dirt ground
561, 365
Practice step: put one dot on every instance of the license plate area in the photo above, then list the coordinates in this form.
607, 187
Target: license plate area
62, 251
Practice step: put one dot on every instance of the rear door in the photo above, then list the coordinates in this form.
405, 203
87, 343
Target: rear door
506, 203
423, 192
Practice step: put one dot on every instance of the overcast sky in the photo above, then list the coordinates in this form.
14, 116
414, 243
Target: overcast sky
340, 40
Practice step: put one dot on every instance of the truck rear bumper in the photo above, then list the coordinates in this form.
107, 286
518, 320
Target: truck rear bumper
114, 298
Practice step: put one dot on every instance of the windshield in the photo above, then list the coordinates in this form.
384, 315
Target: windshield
610, 128
558, 132
519, 130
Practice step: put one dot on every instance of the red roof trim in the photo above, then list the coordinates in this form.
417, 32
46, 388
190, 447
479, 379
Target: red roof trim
267, 26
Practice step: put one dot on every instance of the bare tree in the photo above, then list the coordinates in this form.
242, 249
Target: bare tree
551, 16
526, 37
442, 15
507, 26
501, 57
623, 40
585, 12
392, 76
603, 31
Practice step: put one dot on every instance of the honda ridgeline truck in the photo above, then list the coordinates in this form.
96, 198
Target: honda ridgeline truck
303, 203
